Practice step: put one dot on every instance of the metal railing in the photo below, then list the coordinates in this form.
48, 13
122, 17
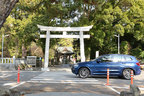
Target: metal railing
7, 60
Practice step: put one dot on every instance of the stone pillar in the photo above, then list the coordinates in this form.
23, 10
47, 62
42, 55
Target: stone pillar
97, 54
46, 61
14, 60
82, 52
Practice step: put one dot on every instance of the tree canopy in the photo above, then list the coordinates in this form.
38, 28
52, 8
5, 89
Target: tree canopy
108, 17
5, 8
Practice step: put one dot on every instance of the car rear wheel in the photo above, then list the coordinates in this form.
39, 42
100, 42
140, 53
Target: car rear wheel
127, 74
84, 73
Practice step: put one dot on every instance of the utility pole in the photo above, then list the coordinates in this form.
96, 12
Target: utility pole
118, 44
118, 36
2, 47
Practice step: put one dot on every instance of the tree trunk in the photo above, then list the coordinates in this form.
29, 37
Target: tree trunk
24, 51
5, 8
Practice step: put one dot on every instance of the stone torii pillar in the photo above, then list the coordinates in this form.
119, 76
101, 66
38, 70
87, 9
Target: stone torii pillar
47, 43
64, 35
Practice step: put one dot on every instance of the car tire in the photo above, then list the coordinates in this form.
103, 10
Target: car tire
127, 74
84, 72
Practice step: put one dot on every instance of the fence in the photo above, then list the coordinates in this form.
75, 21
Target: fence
7, 60
18, 61
23, 63
7, 64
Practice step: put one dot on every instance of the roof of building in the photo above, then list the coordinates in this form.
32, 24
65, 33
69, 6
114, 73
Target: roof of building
65, 50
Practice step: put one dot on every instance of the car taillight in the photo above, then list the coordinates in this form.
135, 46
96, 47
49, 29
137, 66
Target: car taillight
138, 64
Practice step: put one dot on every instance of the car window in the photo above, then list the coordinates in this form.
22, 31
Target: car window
116, 58
128, 58
106, 58
123, 59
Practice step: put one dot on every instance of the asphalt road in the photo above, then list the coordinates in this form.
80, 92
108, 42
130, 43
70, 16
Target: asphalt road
8, 79
64, 82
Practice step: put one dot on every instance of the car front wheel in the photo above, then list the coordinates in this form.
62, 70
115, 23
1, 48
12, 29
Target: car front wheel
127, 74
84, 73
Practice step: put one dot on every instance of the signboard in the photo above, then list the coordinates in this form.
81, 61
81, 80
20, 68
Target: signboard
31, 60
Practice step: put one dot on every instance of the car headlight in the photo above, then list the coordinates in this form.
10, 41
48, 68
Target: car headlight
75, 65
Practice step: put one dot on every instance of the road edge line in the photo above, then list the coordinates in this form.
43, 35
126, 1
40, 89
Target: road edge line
17, 85
113, 89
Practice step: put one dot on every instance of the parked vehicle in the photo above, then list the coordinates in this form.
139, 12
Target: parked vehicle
118, 64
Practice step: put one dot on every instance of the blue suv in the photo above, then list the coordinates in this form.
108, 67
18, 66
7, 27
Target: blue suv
118, 64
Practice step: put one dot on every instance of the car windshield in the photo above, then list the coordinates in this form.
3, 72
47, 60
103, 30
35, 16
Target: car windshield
104, 58
96, 58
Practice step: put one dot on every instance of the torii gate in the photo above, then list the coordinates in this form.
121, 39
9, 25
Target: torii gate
64, 35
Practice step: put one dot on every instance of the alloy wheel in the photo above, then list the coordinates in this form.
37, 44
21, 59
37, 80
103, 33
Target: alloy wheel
84, 73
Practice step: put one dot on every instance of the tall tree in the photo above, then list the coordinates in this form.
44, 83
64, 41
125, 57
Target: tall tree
108, 17
5, 8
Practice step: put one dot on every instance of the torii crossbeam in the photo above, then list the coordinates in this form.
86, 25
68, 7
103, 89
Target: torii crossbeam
64, 35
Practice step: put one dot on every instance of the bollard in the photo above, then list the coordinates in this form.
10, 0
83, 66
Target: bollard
131, 77
134, 91
108, 77
18, 75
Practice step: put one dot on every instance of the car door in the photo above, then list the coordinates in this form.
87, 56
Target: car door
100, 66
115, 65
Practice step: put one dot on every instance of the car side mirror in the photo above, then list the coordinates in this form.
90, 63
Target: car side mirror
98, 60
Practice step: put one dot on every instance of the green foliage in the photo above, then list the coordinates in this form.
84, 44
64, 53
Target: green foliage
65, 42
125, 47
118, 17
108, 17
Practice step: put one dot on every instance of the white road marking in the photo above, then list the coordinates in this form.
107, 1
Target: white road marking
17, 85
48, 78
45, 79
141, 88
113, 89
120, 87
65, 82
125, 87
9, 84
4, 75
